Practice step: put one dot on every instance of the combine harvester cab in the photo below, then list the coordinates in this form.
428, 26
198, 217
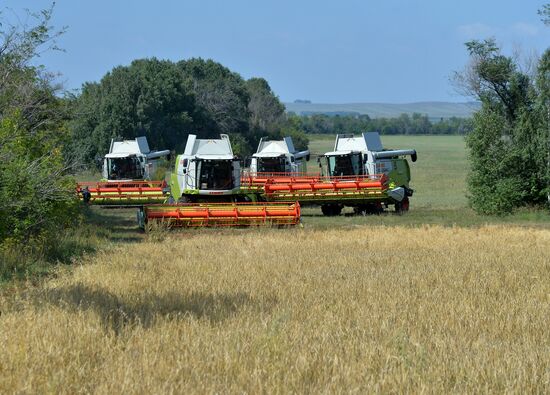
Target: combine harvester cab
131, 160
274, 159
365, 156
205, 191
207, 171
278, 156
129, 172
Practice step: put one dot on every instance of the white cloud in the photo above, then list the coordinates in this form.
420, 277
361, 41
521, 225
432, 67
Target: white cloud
476, 30
525, 29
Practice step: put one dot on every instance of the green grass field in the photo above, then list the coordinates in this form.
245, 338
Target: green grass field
439, 181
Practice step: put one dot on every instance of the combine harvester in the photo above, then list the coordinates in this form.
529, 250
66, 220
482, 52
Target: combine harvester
273, 159
129, 172
278, 156
364, 156
206, 191
360, 174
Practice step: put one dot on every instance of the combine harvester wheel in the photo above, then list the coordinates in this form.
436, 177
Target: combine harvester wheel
222, 214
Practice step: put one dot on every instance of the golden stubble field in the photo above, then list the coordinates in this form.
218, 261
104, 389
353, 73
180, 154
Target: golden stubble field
388, 309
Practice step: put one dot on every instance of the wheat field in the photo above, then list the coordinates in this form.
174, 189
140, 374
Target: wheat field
365, 309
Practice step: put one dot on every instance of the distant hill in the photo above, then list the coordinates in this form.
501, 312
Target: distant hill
434, 110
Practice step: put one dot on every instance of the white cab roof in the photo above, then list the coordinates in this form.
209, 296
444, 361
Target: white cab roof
333, 153
136, 146
209, 148
366, 142
269, 154
284, 146
124, 148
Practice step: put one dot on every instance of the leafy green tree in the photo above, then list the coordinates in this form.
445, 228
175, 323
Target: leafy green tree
37, 196
220, 95
544, 12
266, 111
148, 98
293, 127
267, 116
163, 101
542, 108
508, 147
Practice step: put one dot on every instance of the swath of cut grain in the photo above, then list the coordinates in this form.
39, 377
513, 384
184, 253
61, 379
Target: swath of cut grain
362, 310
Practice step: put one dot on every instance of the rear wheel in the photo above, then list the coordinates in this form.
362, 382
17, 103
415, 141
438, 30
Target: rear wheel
402, 206
331, 209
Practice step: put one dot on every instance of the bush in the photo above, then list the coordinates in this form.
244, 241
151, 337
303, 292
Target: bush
37, 196
508, 145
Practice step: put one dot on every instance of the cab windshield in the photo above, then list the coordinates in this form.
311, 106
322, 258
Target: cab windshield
344, 165
271, 165
215, 174
124, 168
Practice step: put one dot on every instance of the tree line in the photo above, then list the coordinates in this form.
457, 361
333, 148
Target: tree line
404, 124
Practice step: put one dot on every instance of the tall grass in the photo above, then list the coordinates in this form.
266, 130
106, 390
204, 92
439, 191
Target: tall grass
94, 230
361, 310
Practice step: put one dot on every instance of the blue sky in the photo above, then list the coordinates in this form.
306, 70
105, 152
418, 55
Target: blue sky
344, 51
